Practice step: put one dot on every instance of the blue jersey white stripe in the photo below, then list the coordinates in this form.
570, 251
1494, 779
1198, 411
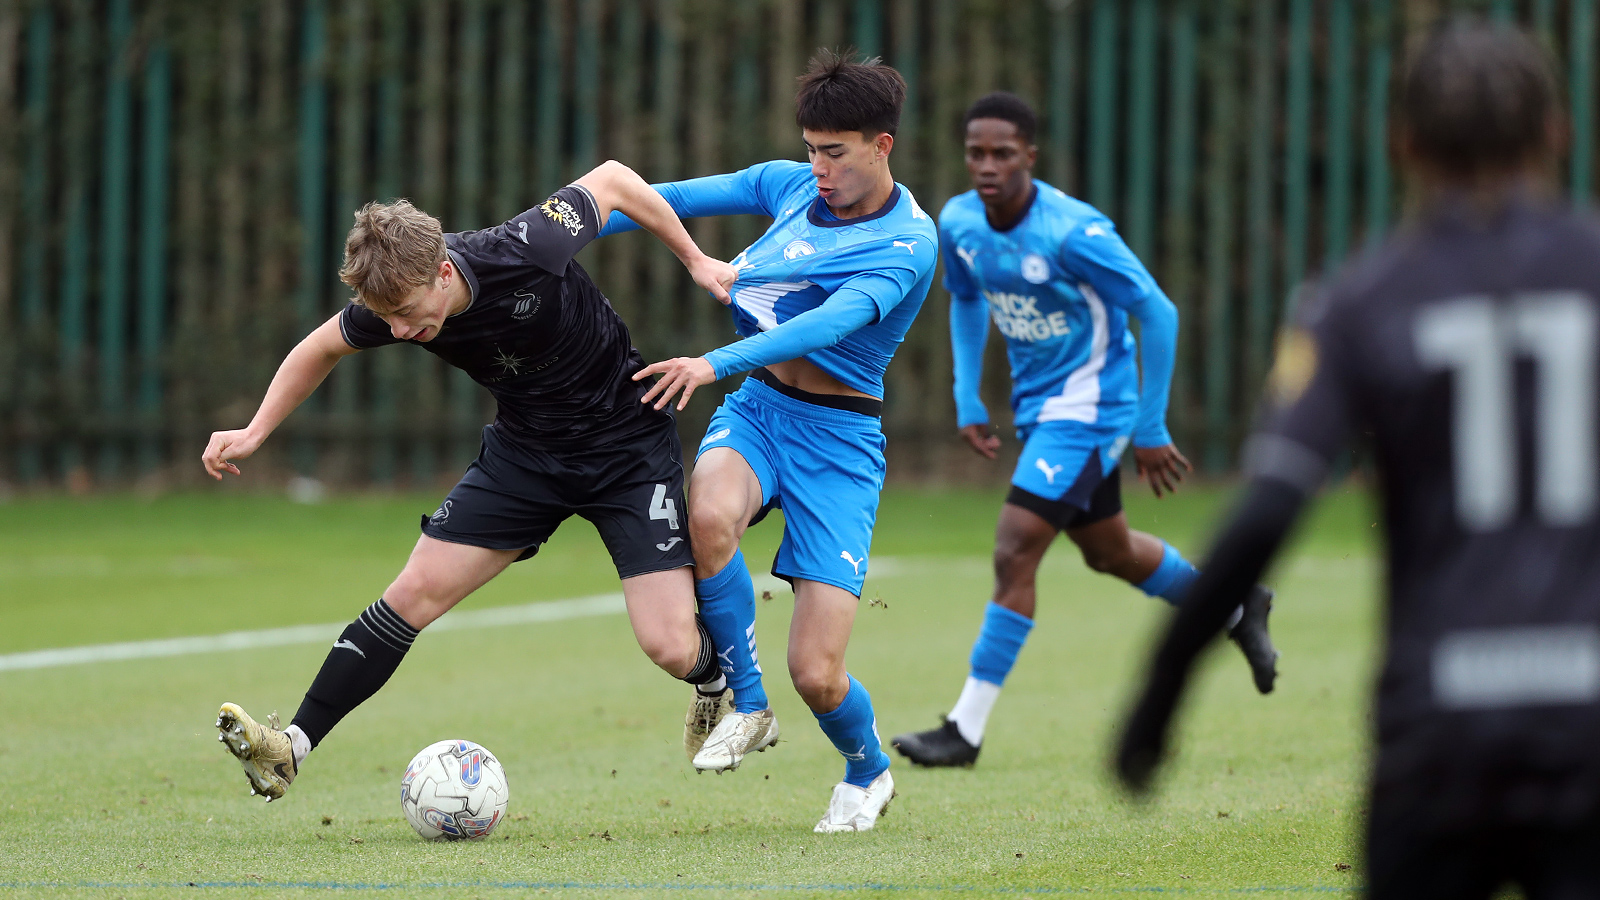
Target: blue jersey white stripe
1059, 286
879, 266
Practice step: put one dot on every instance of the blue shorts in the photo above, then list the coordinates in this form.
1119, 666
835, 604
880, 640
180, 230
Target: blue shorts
823, 467
1055, 457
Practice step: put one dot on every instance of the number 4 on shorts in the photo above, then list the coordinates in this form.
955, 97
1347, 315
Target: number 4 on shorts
662, 508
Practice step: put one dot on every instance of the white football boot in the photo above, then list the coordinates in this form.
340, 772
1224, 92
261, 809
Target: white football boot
266, 753
736, 735
705, 713
857, 809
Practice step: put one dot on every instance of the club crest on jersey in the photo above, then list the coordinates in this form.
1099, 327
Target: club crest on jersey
562, 213
797, 249
1034, 269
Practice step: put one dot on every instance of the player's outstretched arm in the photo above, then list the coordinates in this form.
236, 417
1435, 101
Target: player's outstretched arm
846, 310
301, 371
615, 187
1249, 541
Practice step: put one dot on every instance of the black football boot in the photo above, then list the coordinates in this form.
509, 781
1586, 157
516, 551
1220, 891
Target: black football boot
942, 746
1253, 639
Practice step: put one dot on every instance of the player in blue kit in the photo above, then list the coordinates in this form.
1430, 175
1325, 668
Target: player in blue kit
822, 301
1059, 284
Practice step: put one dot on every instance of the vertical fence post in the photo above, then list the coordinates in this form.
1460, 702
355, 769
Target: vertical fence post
429, 374
36, 228
466, 397
1580, 90
1262, 245
1178, 266
1296, 150
867, 27
552, 43
1103, 68
10, 358
1379, 66
350, 421
510, 172
115, 185
71, 325
313, 200
1139, 215
153, 205
1337, 134
660, 324
1220, 238
388, 368
1063, 89
586, 89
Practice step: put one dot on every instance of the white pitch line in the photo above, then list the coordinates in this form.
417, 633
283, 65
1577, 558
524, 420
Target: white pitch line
458, 620
550, 611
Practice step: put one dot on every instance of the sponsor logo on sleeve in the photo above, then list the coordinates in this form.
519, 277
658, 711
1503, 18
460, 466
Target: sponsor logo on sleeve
562, 213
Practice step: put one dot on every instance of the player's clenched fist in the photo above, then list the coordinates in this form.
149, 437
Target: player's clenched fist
715, 276
226, 446
685, 372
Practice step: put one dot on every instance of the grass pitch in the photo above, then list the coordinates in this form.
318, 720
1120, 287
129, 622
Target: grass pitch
112, 783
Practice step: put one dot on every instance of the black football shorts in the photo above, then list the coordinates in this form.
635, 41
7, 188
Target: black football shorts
514, 496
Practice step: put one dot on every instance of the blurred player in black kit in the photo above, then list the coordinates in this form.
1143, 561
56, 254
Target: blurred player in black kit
1467, 349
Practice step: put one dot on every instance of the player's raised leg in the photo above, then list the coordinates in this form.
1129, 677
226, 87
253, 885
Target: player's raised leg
1159, 570
436, 577
725, 494
818, 636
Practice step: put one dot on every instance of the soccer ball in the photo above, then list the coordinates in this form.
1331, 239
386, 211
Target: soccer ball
454, 791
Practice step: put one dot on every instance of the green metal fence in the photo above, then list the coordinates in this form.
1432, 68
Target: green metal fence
178, 178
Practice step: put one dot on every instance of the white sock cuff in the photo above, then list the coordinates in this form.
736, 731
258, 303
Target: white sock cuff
299, 743
971, 712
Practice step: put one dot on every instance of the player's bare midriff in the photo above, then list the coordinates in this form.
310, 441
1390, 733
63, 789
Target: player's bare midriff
798, 373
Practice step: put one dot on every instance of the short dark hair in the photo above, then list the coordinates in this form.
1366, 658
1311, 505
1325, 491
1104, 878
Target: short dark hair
1004, 105
1477, 96
840, 93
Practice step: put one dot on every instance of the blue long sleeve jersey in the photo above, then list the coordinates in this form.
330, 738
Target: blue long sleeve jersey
1059, 285
839, 292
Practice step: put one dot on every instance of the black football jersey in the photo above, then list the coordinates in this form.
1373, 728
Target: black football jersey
1465, 353
538, 333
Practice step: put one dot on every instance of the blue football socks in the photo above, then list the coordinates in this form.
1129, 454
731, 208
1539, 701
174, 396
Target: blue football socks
728, 608
1172, 577
854, 731
998, 643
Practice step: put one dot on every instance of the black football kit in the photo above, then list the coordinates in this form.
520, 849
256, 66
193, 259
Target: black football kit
1467, 354
570, 436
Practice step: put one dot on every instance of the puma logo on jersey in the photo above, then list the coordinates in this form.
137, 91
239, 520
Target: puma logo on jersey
347, 644
1050, 472
969, 257
854, 563
671, 542
908, 245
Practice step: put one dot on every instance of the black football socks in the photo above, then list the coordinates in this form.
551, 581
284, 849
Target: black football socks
363, 658
706, 675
